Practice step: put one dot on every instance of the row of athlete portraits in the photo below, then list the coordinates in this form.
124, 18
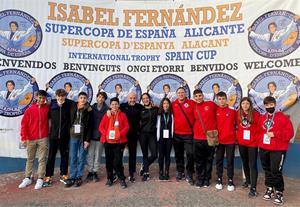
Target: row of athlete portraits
17, 88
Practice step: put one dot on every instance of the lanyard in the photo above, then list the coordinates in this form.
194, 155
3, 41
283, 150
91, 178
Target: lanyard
79, 113
269, 122
166, 120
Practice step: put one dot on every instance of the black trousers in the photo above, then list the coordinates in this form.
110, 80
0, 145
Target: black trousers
114, 160
148, 141
220, 153
249, 160
132, 146
63, 146
184, 143
272, 163
164, 158
203, 157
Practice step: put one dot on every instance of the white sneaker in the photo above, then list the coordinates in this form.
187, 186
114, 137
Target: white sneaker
39, 184
230, 187
219, 186
25, 183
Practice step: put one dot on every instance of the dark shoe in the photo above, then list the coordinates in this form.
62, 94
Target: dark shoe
131, 177
206, 183
252, 193
69, 183
161, 176
95, 177
123, 184
167, 177
78, 182
199, 183
109, 182
190, 180
63, 178
278, 200
146, 177
142, 170
115, 178
268, 194
179, 176
89, 177
245, 184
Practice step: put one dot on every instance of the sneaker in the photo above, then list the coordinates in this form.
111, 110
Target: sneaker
268, 194
142, 170
89, 177
167, 177
278, 200
63, 179
95, 177
190, 180
69, 183
25, 182
131, 177
146, 177
246, 185
109, 182
38, 184
179, 176
219, 185
230, 186
78, 182
252, 193
206, 183
123, 184
199, 183
115, 178
47, 182
161, 176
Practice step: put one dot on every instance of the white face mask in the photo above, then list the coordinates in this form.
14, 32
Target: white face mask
60, 102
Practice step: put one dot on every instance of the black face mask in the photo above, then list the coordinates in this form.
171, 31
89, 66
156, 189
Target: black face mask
270, 110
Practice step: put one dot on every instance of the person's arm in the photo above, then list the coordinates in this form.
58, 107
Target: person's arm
125, 125
156, 95
158, 127
254, 93
23, 35
263, 37
25, 126
231, 90
287, 91
208, 96
21, 92
4, 34
103, 128
286, 131
286, 30
172, 96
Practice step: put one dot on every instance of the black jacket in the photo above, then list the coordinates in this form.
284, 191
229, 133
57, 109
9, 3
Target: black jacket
81, 117
60, 119
149, 119
133, 115
96, 117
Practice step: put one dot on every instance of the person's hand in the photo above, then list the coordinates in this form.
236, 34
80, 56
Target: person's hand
184, 83
87, 82
36, 23
249, 86
99, 86
196, 86
33, 80
250, 29
23, 144
47, 86
235, 82
108, 113
136, 83
270, 134
295, 79
86, 145
296, 18
148, 88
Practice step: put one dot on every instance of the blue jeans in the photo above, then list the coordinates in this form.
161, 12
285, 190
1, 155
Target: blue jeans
78, 158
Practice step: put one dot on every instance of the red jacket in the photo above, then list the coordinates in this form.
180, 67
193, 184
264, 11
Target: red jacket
207, 111
181, 125
283, 132
242, 137
123, 126
34, 124
226, 125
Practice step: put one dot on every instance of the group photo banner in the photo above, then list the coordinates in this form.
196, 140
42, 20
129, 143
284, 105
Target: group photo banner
244, 48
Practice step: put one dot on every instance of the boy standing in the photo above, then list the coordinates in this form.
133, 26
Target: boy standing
34, 135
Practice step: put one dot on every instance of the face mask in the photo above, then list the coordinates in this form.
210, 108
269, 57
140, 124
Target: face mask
60, 103
270, 110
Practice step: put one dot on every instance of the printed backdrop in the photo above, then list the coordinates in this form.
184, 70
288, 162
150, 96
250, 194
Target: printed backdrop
245, 48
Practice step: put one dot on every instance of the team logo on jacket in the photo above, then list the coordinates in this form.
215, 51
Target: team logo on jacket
165, 86
20, 34
73, 83
268, 124
245, 123
275, 34
216, 82
120, 85
282, 85
17, 90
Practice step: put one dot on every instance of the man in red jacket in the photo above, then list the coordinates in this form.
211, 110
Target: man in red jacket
34, 134
183, 109
275, 133
226, 128
205, 120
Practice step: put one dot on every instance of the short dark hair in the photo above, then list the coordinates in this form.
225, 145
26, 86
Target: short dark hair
273, 83
13, 22
166, 85
102, 93
272, 23
269, 99
114, 99
197, 91
222, 94
60, 92
82, 93
41, 93
10, 81
215, 84
118, 84
68, 83
180, 88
